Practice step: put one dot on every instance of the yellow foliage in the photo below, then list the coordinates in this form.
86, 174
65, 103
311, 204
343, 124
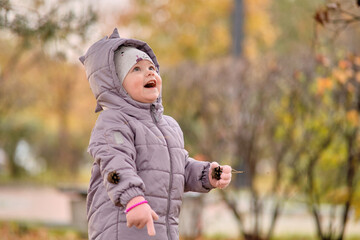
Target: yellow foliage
179, 30
55, 93
356, 206
338, 196
250, 48
333, 157
259, 31
353, 117
185, 29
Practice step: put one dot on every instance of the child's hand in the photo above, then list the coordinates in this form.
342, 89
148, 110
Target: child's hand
141, 215
225, 177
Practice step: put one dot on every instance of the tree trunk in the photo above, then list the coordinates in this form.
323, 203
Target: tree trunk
238, 28
350, 174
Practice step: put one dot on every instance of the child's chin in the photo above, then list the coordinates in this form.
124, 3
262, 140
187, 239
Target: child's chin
153, 95
154, 98
151, 98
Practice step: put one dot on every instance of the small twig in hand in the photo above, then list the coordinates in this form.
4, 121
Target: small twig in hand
216, 173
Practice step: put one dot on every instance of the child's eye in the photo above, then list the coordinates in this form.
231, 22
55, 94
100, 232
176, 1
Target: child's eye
152, 68
136, 69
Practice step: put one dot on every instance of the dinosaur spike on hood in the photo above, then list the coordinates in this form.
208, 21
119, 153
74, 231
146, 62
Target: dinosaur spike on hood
82, 59
115, 34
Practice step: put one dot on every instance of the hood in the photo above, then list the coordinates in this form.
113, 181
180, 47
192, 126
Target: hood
101, 74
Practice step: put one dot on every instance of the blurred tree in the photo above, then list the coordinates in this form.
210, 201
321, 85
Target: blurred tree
237, 28
294, 24
200, 30
227, 121
264, 111
337, 26
332, 173
319, 118
30, 33
260, 32
268, 112
179, 30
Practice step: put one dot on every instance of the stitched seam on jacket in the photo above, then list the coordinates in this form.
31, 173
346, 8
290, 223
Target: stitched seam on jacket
151, 144
106, 229
95, 209
171, 124
117, 225
120, 221
156, 144
176, 147
147, 169
97, 70
113, 147
155, 196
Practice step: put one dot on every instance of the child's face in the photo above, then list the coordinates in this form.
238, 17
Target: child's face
142, 82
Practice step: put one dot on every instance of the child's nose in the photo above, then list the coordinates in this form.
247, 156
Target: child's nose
149, 72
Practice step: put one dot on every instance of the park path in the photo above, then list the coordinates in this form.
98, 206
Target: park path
39, 204
58, 207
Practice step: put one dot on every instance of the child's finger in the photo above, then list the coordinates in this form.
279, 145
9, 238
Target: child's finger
226, 176
223, 184
214, 165
140, 225
226, 169
129, 224
150, 227
154, 215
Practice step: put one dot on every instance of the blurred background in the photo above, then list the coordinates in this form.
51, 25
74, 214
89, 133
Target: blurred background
270, 87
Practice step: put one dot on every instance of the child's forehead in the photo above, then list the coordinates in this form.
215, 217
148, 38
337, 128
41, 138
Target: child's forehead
144, 62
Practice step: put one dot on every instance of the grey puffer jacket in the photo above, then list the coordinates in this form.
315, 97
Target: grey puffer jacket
138, 151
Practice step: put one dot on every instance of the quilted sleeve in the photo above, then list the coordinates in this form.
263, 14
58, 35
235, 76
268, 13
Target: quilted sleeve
197, 175
112, 147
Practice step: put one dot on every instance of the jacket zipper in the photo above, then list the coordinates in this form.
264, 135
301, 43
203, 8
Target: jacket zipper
152, 111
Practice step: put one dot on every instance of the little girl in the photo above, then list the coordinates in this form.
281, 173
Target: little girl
140, 168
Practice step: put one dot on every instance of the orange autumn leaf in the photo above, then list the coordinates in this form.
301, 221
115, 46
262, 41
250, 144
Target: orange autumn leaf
343, 64
350, 88
357, 61
323, 60
353, 117
340, 75
357, 76
323, 84
349, 73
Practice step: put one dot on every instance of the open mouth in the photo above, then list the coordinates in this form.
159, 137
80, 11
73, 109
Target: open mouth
150, 84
